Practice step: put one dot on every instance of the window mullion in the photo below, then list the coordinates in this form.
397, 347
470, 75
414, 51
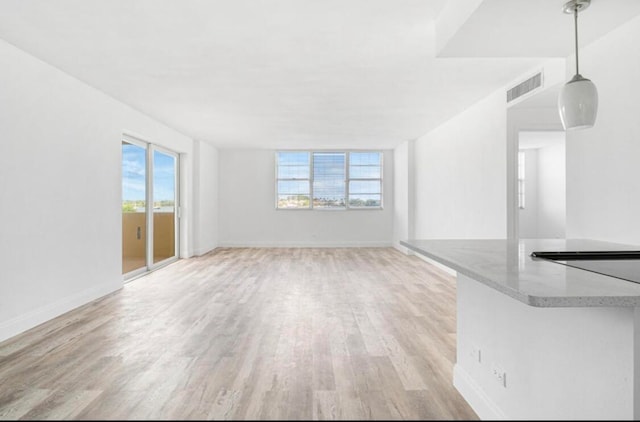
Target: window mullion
348, 178
311, 177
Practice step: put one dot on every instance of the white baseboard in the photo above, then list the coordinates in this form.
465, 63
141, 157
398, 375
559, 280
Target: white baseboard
31, 319
205, 250
484, 407
396, 245
306, 244
436, 264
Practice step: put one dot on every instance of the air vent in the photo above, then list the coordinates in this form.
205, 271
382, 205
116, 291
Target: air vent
524, 87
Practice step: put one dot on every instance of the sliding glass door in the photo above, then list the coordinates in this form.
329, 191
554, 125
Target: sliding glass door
149, 207
134, 207
165, 166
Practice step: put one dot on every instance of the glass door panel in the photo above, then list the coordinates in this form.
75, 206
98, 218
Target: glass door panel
164, 205
134, 207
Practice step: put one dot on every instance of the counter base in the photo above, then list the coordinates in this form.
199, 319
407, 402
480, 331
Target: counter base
556, 363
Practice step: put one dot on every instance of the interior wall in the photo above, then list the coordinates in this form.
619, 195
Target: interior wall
552, 208
460, 175
205, 185
248, 216
60, 167
544, 215
528, 216
403, 194
603, 174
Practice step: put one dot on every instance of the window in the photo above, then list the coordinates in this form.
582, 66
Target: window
294, 188
365, 179
328, 180
521, 180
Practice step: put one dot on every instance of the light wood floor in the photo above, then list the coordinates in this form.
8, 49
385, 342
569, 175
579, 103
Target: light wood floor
352, 333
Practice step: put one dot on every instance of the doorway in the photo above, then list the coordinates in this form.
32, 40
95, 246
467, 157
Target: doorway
149, 207
536, 189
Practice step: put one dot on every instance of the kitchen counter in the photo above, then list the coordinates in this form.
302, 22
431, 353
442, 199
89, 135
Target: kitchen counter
536, 339
507, 267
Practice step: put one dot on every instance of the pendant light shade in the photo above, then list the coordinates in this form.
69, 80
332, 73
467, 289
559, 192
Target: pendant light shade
578, 103
578, 99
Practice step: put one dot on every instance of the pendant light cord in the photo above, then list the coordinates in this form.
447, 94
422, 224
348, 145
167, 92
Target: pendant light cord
575, 19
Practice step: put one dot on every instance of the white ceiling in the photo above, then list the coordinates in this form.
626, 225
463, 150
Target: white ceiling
534, 28
269, 73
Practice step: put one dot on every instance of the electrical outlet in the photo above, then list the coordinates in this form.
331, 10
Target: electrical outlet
500, 375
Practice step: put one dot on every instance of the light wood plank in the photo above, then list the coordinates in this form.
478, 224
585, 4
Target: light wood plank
249, 333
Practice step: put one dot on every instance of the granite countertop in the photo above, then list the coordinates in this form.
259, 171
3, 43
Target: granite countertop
506, 266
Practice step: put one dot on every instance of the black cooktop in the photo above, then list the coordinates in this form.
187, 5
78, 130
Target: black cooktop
619, 264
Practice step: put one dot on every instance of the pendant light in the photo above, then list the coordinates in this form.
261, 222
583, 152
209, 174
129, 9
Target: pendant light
578, 100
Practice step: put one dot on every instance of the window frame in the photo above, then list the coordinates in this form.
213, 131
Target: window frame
347, 179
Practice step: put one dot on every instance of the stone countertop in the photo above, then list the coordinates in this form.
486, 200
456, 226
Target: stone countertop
506, 266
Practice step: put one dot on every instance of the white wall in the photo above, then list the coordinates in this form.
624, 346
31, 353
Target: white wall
552, 208
603, 163
528, 217
248, 216
205, 198
544, 215
460, 175
60, 175
403, 193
